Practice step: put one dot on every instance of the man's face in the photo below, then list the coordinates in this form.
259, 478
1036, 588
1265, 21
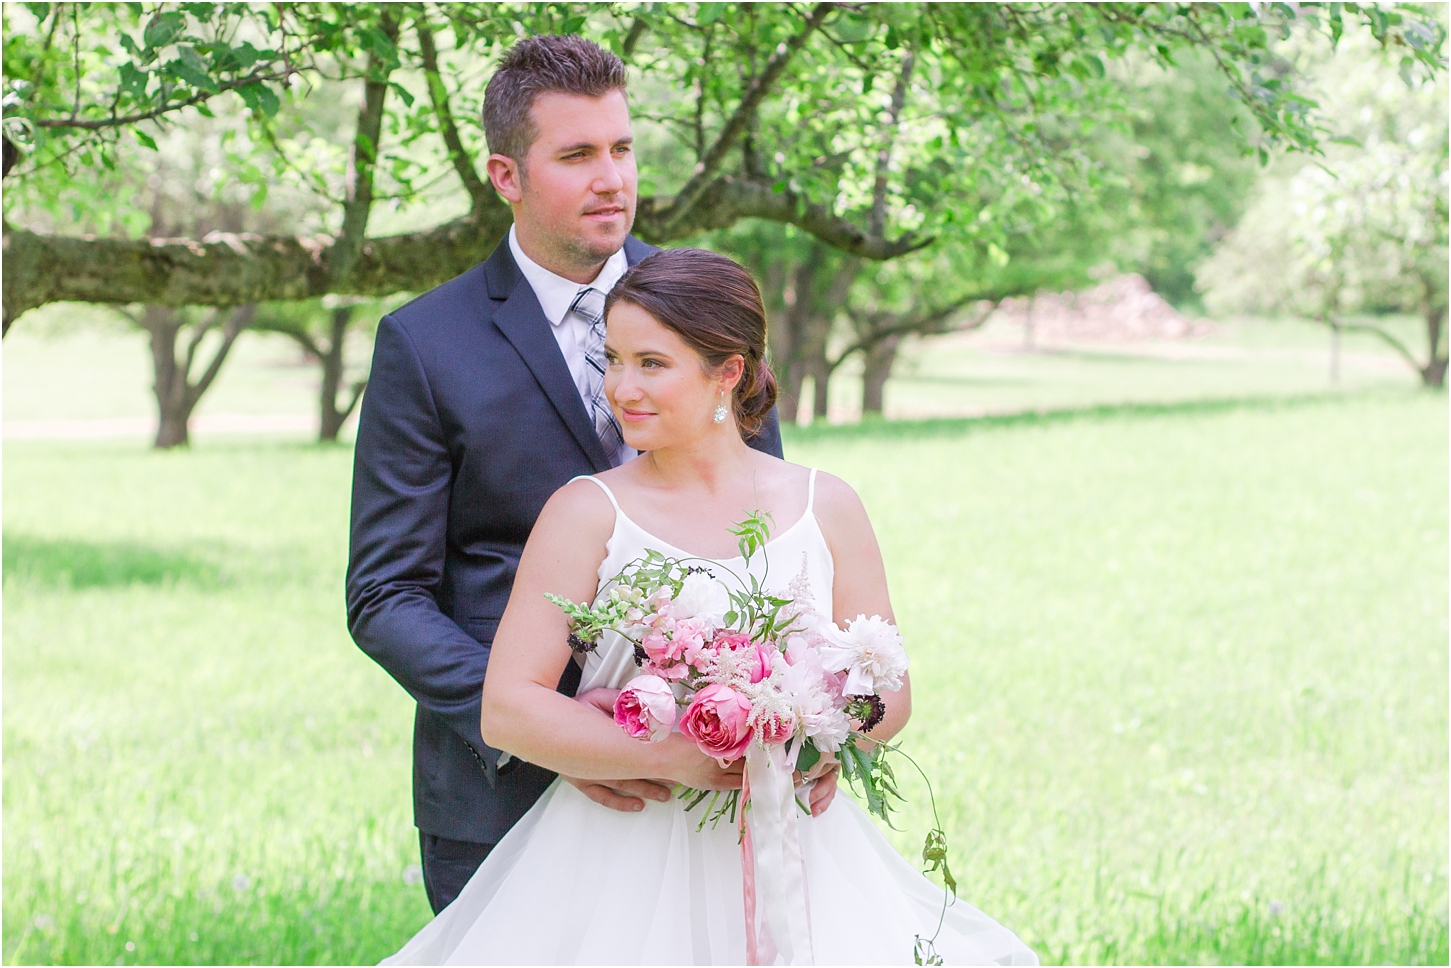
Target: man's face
576, 196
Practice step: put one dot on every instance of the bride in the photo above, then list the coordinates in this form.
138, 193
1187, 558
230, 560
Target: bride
577, 883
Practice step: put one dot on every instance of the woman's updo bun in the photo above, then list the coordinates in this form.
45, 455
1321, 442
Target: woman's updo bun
714, 305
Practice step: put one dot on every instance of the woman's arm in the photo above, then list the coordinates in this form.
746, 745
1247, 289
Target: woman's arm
860, 586
522, 712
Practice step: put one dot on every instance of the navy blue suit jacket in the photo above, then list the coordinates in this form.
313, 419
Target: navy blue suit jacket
470, 422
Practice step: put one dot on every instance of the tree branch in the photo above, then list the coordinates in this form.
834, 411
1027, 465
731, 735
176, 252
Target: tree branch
921, 325
479, 193
198, 333
115, 122
751, 98
235, 324
1390, 340
362, 160
877, 222
732, 199
358, 387
637, 30
226, 269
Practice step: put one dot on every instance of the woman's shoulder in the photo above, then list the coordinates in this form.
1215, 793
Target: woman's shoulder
840, 512
581, 504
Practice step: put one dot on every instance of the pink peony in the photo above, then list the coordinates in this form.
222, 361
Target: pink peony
760, 665
646, 708
731, 640
656, 646
718, 722
688, 638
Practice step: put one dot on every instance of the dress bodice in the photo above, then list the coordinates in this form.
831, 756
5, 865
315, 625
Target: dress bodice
796, 563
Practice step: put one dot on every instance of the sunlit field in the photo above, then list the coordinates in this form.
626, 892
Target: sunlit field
1180, 681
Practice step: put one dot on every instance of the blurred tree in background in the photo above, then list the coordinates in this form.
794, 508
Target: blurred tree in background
1364, 232
781, 112
351, 133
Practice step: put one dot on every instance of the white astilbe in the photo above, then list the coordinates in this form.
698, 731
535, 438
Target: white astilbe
869, 651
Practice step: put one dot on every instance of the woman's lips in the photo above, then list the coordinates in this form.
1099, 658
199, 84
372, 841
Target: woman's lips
634, 416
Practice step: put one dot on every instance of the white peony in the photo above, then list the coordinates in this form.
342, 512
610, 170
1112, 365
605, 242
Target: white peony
701, 597
870, 652
811, 698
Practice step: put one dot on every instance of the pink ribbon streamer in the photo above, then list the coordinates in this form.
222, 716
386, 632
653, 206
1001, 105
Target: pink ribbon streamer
773, 868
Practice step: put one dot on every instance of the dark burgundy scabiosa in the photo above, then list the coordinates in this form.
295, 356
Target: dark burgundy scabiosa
640, 655
867, 710
580, 645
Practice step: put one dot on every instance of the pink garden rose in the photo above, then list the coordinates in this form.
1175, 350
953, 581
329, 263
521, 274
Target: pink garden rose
761, 661
774, 729
761, 655
731, 640
646, 708
717, 721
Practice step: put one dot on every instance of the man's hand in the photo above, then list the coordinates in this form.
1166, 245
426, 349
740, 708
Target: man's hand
826, 772
627, 796
823, 792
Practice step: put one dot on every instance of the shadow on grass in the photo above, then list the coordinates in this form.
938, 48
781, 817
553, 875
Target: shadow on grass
66, 563
876, 427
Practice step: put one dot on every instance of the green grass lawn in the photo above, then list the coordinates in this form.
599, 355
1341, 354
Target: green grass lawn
1180, 678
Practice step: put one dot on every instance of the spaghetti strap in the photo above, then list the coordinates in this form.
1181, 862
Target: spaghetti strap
604, 487
810, 491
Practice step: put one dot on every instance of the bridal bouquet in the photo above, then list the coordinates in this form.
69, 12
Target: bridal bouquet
749, 673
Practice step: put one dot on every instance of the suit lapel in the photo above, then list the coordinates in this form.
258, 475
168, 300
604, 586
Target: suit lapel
523, 324
635, 250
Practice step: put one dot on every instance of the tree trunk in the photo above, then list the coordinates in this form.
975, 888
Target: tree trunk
820, 371
172, 409
330, 416
1433, 374
1334, 353
176, 395
876, 369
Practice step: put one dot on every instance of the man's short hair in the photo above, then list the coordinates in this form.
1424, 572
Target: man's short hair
538, 65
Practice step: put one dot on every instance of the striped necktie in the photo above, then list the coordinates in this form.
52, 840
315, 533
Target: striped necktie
589, 305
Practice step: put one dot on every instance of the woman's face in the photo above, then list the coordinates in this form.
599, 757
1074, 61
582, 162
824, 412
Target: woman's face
659, 387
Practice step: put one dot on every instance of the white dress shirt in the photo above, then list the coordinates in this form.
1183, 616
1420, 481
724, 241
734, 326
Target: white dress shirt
556, 294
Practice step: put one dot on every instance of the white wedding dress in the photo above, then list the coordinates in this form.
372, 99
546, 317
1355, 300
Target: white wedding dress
577, 883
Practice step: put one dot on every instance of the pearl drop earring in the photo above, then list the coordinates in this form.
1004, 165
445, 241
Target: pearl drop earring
720, 410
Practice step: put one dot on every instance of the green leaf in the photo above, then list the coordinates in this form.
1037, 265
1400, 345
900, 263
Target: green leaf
189, 67
134, 80
853, 30
145, 139
808, 757
164, 29
260, 97
402, 93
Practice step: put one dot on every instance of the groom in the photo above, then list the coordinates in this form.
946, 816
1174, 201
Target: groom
486, 395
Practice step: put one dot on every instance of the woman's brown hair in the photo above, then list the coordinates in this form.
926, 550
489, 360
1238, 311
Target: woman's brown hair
714, 305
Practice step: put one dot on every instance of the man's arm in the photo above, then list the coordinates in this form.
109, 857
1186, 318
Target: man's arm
401, 480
